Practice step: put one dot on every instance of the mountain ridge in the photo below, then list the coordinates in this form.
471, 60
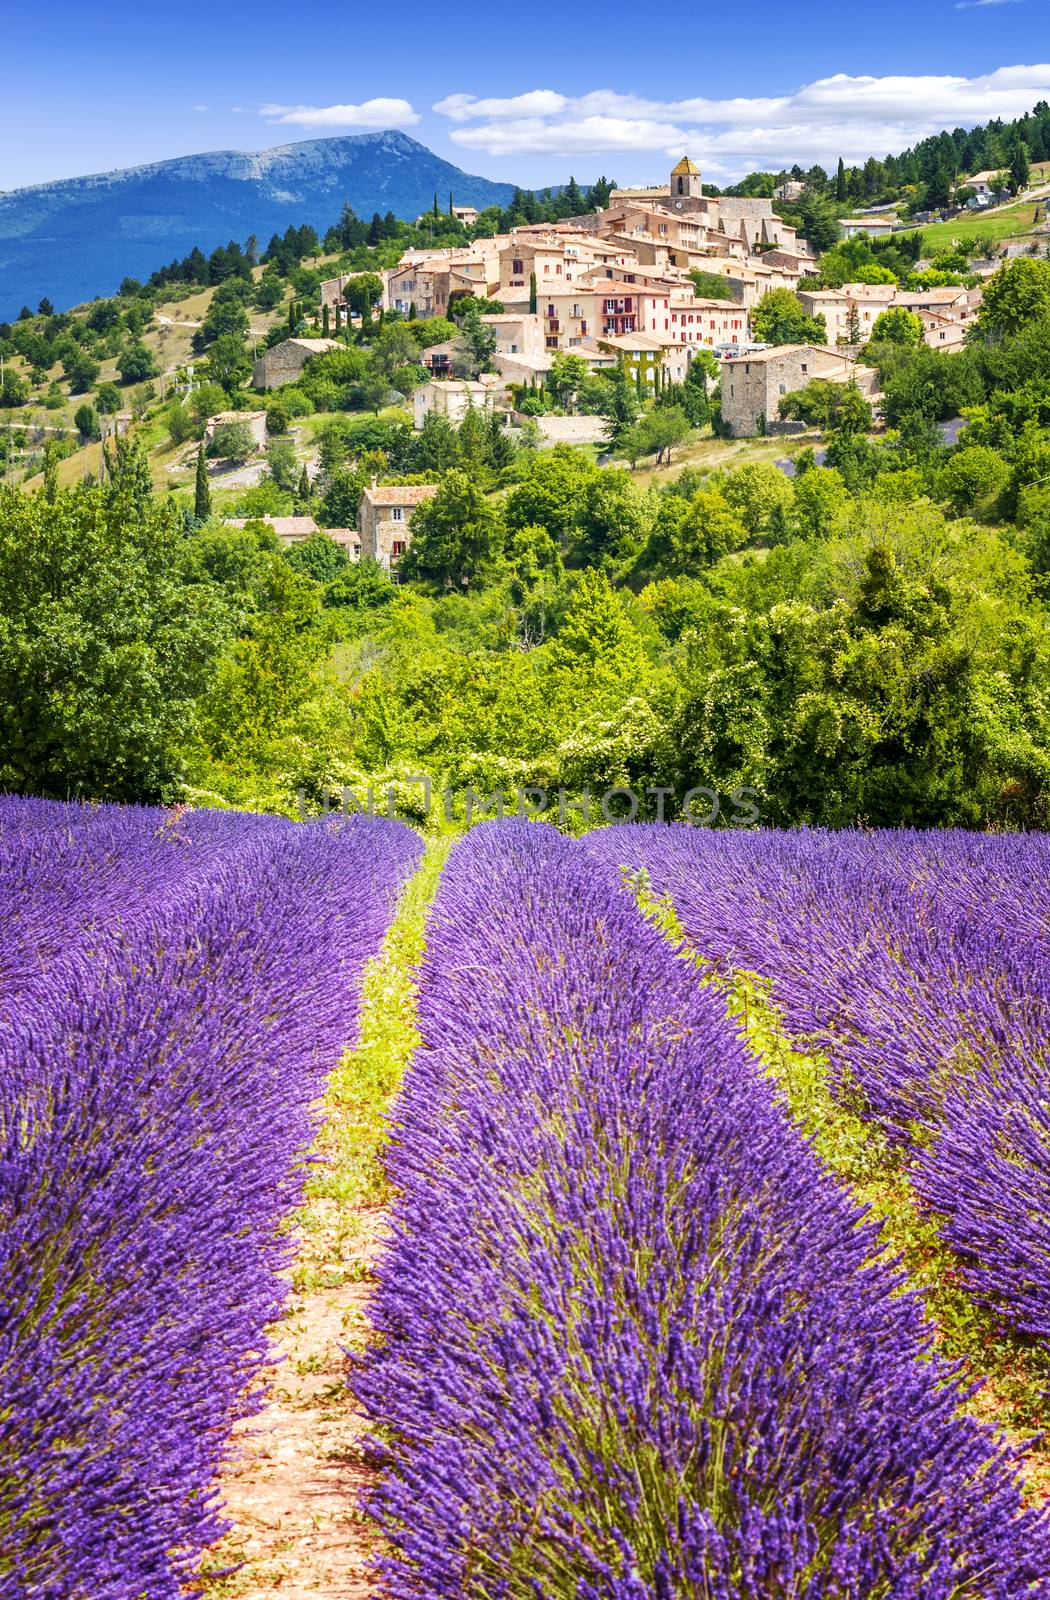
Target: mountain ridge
74, 238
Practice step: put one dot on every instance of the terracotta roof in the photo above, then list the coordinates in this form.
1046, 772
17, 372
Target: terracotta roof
283, 527
777, 350
391, 494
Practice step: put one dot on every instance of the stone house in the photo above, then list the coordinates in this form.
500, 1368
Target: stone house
284, 363
254, 421
293, 530
454, 397
383, 519
754, 384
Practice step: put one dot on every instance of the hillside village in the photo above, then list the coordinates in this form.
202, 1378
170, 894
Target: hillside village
679, 295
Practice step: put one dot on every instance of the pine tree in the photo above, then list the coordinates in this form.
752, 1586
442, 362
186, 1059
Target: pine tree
840, 182
201, 491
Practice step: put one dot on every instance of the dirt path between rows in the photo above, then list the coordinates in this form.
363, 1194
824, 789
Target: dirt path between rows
294, 1484
293, 1490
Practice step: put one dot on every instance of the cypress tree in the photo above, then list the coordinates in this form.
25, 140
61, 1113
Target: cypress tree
533, 300
304, 484
201, 491
840, 182
450, 211
291, 317
324, 321
338, 316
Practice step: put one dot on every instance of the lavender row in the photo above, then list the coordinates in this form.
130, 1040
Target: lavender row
920, 965
156, 1100
633, 1342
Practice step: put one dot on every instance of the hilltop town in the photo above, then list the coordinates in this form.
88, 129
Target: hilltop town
711, 311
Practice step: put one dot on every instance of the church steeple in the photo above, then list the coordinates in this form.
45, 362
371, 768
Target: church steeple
685, 179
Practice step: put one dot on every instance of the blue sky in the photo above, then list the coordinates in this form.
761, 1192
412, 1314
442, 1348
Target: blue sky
530, 96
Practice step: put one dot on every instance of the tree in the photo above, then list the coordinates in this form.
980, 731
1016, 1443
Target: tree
108, 399
897, 326
456, 536
229, 362
395, 355
1020, 167
711, 285
597, 636
135, 363
656, 433
319, 557
756, 492
14, 391
85, 420
533, 297
840, 183
282, 464
610, 521
81, 369
819, 222
971, 476
436, 446
566, 375
820, 497
780, 318
104, 647
361, 586
851, 413
231, 441
1015, 296
551, 495
201, 490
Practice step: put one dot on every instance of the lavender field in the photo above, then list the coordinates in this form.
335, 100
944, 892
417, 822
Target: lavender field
633, 1340
630, 1336
173, 991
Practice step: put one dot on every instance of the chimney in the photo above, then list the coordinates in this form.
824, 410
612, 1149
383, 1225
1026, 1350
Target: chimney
375, 480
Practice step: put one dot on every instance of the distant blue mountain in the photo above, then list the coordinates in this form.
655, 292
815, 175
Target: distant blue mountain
77, 238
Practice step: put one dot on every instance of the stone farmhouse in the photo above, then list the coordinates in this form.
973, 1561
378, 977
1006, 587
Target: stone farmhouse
254, 421
293, 530
383, 516
284, 362
753, 385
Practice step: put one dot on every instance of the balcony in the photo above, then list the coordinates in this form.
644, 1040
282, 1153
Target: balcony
553, 325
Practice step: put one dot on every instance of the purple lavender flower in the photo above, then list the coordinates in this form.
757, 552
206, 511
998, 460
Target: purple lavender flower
633, 1342
171, 999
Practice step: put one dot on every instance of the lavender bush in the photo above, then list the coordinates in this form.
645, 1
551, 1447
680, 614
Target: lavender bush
173, 991
634, 1342
920, 965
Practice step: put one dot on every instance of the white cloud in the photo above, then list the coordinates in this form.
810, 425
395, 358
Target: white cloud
978, 5
851, 116
198, 108
370, 114
538, 103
